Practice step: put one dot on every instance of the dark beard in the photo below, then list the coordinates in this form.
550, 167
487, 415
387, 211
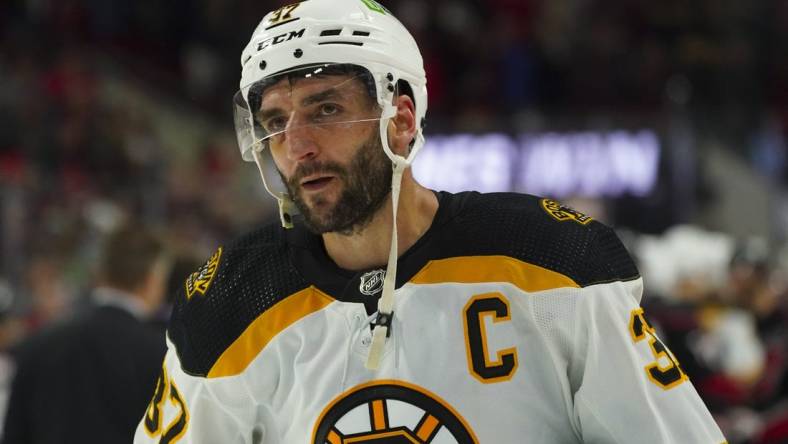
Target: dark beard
367, 184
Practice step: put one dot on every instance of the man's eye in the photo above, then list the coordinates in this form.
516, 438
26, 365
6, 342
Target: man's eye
329, 109
275, 124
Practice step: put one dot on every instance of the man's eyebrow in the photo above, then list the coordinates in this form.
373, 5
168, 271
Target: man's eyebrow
266, 114
330, 93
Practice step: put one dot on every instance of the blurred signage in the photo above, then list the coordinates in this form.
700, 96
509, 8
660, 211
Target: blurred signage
589, 164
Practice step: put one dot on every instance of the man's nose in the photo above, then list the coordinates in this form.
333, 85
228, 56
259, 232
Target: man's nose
300, 140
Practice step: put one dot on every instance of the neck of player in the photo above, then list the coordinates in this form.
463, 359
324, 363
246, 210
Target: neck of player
370, 246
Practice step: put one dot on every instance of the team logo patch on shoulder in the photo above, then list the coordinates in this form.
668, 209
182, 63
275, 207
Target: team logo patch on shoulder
390, 411
200, 280
372, 282
563, 213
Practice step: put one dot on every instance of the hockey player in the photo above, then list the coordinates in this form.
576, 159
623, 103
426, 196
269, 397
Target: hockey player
386, 312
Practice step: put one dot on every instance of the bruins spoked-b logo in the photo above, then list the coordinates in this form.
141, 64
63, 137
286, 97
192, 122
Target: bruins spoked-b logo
200, 280
391, 412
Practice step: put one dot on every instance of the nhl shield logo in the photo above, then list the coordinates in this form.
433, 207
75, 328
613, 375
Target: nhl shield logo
372, 282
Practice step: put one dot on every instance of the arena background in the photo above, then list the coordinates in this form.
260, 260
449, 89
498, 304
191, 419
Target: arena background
666, 119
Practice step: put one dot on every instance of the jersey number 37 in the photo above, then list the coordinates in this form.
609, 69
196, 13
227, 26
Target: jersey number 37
664, 371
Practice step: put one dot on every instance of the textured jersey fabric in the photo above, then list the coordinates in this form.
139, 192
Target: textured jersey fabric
516, 320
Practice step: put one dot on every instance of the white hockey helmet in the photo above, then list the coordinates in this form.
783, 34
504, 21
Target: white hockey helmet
312, 35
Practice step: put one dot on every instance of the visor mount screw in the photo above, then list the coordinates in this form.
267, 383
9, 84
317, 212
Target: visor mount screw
390, 77
263, 64
391, 87
298, 53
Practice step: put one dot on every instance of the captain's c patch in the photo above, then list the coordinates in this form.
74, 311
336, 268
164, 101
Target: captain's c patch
562, 213
200, 280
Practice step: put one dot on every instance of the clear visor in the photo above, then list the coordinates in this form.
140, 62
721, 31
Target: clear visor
311, 101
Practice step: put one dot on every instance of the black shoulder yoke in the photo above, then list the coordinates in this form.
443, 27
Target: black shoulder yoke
540, 232
252, 274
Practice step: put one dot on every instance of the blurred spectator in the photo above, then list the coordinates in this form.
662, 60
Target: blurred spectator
731, 336
685, 264
50, 298
87, 380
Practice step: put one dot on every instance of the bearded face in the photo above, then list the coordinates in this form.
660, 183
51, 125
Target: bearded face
361, 187
323, 134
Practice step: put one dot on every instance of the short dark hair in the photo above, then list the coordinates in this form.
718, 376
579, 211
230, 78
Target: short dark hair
129, 254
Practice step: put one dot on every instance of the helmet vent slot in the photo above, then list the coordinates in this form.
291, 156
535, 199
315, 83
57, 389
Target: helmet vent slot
361, 33
329, 32
342, 43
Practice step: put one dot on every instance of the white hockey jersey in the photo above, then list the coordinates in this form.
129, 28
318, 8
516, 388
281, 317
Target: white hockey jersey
516, 320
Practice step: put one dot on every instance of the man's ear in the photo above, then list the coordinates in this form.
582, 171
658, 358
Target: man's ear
402, 128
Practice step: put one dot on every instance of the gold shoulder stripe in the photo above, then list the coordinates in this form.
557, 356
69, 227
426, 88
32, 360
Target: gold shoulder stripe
475, 269
263, 329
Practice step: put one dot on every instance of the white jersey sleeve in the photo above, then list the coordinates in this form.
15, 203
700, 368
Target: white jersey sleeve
628, 384
195, 410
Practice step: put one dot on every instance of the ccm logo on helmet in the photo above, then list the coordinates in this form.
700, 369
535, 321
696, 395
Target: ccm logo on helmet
281, 38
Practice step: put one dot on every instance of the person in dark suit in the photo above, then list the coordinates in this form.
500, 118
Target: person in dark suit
89, 379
